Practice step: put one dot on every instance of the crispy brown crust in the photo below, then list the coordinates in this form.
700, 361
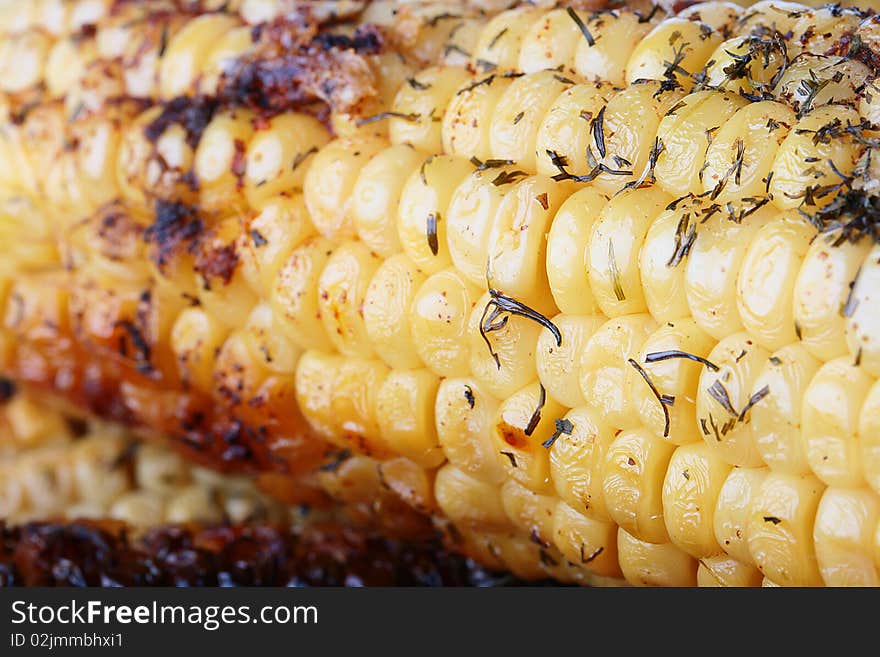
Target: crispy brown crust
298, 63
204, 430
89, 553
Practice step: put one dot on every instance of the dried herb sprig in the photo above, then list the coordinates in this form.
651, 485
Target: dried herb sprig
658, 356
497, 312
411, 118
665, 400
581, 26
563, 426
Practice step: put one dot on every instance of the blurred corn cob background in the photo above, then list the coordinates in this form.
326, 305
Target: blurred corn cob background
591, 290
53, 467
86, 503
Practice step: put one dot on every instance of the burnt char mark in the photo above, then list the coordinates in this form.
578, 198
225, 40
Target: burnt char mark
850, 45
87, 31
65, 555
217, 263
141, 346
239, 162
365, 41
102, 553
7, 389
270, 85
176, 226
194, 7
193, 114
294, 66
118, 234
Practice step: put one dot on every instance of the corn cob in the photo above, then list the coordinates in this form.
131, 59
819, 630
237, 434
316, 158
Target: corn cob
599, 299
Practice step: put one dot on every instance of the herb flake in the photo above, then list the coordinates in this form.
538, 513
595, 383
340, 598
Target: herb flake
754, 399
581, 26
657, 356
411, 118
431, 221
563, 426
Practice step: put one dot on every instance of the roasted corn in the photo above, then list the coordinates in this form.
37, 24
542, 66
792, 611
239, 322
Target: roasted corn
56, 467
595, 291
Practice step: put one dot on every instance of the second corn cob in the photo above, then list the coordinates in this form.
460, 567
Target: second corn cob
604, 308
54, 467
84, 503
